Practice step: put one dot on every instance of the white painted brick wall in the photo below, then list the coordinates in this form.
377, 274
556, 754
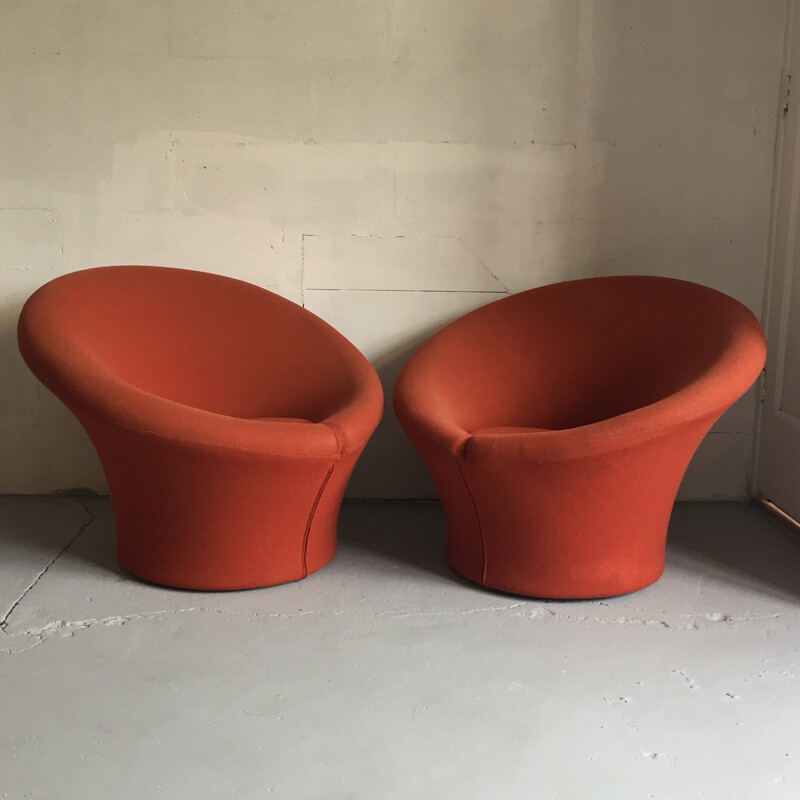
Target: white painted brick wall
391, 165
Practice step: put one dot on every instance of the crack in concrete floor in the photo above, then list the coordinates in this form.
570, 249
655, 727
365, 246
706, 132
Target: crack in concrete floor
90, 519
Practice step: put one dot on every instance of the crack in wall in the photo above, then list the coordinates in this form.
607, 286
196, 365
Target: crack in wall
303, 269
499, 289
175, 190
483, 265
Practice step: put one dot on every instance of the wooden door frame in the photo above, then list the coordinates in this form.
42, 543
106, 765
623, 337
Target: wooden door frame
782, 234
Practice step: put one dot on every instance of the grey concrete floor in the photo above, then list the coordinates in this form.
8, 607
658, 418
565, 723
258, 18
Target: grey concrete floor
385, 675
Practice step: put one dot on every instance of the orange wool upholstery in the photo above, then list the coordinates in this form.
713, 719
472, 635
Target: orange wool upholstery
558, 423
227, 419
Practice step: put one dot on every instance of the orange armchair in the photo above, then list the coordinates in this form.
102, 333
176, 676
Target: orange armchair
227, 419
558, 423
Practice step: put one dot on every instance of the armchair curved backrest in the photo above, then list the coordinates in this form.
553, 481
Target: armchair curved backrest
580, 353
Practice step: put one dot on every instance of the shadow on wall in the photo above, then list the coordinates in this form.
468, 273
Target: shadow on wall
21, 414
388, 460
389, 465
470, 175
647, 151
498, 153
42, 441
547, 140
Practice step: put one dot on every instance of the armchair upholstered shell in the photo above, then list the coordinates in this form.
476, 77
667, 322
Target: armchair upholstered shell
227, 419
558, 423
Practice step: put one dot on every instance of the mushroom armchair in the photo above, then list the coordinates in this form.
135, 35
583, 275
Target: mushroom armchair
557, 424
227, 419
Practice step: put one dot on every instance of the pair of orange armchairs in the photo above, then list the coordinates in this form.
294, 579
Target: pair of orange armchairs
557, 423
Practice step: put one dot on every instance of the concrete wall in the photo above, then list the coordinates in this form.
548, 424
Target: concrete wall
390, 165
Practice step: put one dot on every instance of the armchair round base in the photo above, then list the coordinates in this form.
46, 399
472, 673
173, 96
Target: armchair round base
574, 529
194, 517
